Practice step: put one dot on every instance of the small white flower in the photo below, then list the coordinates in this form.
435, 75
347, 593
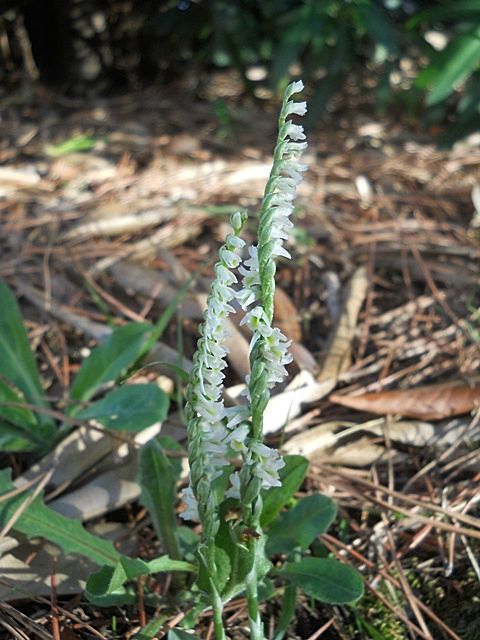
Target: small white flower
205, 405
296, 108
236, 415
191, 506
238, 437
267, 465
234, 490
293, 87
293, 131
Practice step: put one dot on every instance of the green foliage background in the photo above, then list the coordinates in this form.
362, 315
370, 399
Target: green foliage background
95, 47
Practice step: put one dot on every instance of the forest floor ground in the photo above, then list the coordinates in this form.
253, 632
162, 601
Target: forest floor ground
107, 207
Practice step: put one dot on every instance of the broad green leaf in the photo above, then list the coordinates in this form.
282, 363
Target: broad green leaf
188, 541
14, 439
121, 350
158, 479
17, 363
20, 416
291, 477
132, 407
224, 566
175, 369
164, 564
298, 527
325, 579
229, 539
462, 57
40, 520
109, 361
469, 103
19, 432
107, 588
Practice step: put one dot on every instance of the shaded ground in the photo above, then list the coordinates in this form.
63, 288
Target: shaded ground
382, 294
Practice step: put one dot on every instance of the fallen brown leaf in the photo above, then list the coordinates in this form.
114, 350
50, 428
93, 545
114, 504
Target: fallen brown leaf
338, 356
430, 402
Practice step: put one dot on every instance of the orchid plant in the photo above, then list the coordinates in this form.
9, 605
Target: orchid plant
240, 490
232, 555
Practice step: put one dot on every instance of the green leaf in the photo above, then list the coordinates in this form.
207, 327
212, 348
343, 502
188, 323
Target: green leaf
17, 363
178, 634
109, 361
325, 579
40, 520
457, 11
164, 564
375, 21
20, 431
158, 479
228, 539
174, 368
14, 439
132, 407
162, 323
295, 37
75, 144
151, 630
299, 526
224, 566
462, 57
107, 588
20, 416
188, 541
125, 346
373, 634
291, 477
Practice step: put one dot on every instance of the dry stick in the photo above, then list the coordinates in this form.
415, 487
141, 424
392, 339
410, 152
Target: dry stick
398, 612
459, 464
51, 361
433, 287
54, 606
443, 456
65, 364
16, 633
21, 618
438, 524
111, 300
404, 584
474, 522
327, 538
71, 616
142, 616
466, 507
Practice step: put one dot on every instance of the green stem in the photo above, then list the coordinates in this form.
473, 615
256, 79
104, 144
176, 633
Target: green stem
289, 602
217, 607
256, 627
216, 600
